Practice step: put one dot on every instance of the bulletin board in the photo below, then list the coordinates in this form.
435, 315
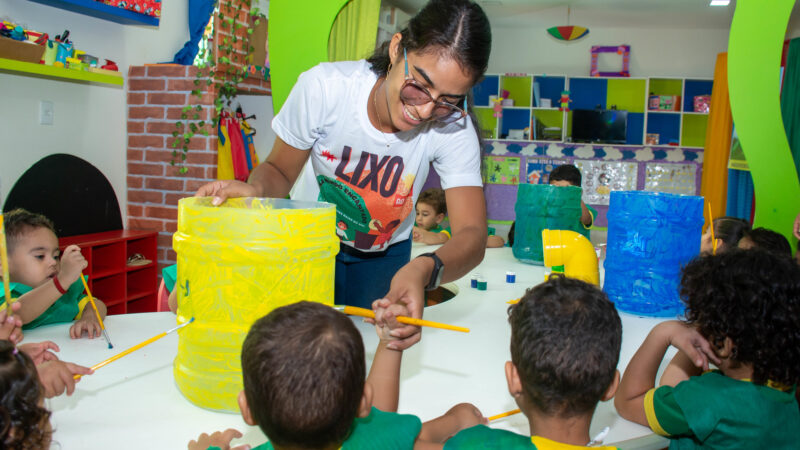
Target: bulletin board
538, 170
672, 178
602, 177
501, 170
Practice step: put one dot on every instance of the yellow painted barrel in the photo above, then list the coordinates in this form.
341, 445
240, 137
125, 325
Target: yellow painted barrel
236, 263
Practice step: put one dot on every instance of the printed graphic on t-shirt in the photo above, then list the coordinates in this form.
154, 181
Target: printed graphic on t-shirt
372, 197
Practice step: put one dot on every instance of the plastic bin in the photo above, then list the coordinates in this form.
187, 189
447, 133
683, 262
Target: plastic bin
236, 263
540, 207
650, 237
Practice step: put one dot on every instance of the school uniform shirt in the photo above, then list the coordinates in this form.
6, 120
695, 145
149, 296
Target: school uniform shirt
719, 412
378, 431
373, 178
584, 229
67, 308
170, 276
481, 437
446, 230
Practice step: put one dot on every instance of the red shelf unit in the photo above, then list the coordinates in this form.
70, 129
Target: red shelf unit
121, 287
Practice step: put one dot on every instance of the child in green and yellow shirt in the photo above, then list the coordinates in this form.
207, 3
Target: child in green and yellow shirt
565, 344
322, 400
742, 314
45, 282
431, 209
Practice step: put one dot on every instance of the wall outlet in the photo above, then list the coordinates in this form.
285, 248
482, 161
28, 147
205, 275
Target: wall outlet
46, 112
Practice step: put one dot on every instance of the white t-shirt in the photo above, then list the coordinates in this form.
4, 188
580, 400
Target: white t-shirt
374, 187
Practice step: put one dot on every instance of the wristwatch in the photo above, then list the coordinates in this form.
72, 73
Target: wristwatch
436, 274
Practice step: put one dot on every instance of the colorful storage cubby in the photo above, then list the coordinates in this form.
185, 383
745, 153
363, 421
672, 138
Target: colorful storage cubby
123, 288
625, 94
683, 127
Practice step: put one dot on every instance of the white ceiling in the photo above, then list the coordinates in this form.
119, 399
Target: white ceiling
598, 13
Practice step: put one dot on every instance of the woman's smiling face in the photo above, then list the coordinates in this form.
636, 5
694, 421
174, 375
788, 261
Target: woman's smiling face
434, 70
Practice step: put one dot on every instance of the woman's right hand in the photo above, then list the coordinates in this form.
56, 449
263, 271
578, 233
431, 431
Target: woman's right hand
222, 190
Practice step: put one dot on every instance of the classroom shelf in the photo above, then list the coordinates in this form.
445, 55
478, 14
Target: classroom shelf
122, 287
102, 11
59, 73
683, 127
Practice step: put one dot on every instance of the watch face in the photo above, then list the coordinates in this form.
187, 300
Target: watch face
436, 274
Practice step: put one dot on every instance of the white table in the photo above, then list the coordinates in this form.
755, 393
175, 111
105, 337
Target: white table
134, 403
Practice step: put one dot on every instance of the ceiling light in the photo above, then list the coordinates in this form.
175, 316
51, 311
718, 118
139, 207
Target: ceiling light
719, 2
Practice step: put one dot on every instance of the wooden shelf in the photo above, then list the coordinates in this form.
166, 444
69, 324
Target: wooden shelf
58, 73
110, 278
102, 11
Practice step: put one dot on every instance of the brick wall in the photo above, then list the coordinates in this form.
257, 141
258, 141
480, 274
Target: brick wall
156, 96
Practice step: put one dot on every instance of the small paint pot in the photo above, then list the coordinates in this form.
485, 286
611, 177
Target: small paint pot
473, 281
511, 277
481, 284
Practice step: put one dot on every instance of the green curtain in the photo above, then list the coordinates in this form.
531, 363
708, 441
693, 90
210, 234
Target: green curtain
790, 100
354, 31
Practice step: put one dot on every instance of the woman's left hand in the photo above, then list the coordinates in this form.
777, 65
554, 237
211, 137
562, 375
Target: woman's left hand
407, 288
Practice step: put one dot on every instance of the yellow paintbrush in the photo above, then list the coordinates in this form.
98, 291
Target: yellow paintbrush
711, 221
505, 414
137, 346
363, 312
4, 261
96, 312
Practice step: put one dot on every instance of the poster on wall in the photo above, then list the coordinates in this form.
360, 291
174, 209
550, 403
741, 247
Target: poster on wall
538, 169
737, 160
501, 170
672, 178
602, 177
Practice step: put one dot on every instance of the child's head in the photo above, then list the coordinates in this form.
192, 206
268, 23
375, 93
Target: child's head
727, 231
565, 343
431, 208
565, 175
767, 240
747, 304
32, 247
24, 422
304, 370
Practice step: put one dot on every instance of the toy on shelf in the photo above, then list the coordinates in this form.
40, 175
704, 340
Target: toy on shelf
664, 103
497, 105
651, 139
702, 103
110, 65
623, 50
564, 101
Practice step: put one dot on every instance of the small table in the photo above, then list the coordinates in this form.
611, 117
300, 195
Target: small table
133, 403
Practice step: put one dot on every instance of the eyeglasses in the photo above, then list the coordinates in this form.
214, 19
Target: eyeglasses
413, 93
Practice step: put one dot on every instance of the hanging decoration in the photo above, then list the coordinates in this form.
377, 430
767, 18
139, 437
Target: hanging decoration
568, 32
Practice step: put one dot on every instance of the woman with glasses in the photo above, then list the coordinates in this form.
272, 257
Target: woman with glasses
371, 130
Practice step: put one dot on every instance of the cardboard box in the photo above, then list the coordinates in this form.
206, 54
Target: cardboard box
20, 50
664, 103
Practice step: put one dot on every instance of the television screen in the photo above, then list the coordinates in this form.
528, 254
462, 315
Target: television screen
599, 125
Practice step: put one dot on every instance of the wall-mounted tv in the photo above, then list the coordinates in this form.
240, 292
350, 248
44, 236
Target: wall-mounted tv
599, 125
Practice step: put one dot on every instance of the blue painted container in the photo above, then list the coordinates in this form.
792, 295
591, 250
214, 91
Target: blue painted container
650, 237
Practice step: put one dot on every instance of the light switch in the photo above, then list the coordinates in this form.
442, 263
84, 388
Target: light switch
46, 112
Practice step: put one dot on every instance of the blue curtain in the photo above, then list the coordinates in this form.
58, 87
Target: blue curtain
740, 194
199, 14
790, 96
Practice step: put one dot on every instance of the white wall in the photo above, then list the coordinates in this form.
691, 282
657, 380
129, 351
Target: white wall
654, 52
90, 120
